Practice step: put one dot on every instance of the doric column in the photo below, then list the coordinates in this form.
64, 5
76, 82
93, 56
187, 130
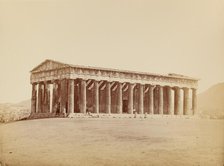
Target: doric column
170, 101
47, 94
108, 98
51, 98
186, 101
160, 100
34, 98
83, 96
71, 96
55, 97
44, 97
194, 101
96, 97
40, 97
141, 99
130, 98
151, 99
177, 109
63, 95
120, 100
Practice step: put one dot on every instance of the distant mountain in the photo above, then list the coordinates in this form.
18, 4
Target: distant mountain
211, 102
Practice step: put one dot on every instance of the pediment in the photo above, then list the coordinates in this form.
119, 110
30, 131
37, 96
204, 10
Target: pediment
49, 65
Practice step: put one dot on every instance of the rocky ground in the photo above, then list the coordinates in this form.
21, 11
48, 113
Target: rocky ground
13, 112
109, 142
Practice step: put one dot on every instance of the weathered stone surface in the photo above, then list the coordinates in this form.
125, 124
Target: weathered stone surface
170, 101
71, 96
151, 99
34, 99
194, 101
141, 99
120, 100
186, 101
96, 97
83, 96
130, 98
108, 98
52, 70
64, 96
77, 89
160, 100
178, 100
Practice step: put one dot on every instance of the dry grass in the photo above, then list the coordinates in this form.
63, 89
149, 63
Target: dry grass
108, 142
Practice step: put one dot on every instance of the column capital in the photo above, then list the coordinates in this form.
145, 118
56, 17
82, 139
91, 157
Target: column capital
42, 86
54, 81
83, 79
176, 87
96, 82
152, 87
34, 83
142, 86
160, 86
108, 83
185, 88
34, 86
132, 84
40, 82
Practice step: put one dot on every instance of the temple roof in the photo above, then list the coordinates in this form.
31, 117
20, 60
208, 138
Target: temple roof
49, 64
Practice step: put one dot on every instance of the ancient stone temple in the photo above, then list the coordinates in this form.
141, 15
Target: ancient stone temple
59, 88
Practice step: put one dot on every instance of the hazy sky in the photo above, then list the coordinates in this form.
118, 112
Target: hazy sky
159, 36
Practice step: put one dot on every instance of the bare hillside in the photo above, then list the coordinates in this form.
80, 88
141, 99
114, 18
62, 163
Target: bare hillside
25, 103
12, 112
211, 102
